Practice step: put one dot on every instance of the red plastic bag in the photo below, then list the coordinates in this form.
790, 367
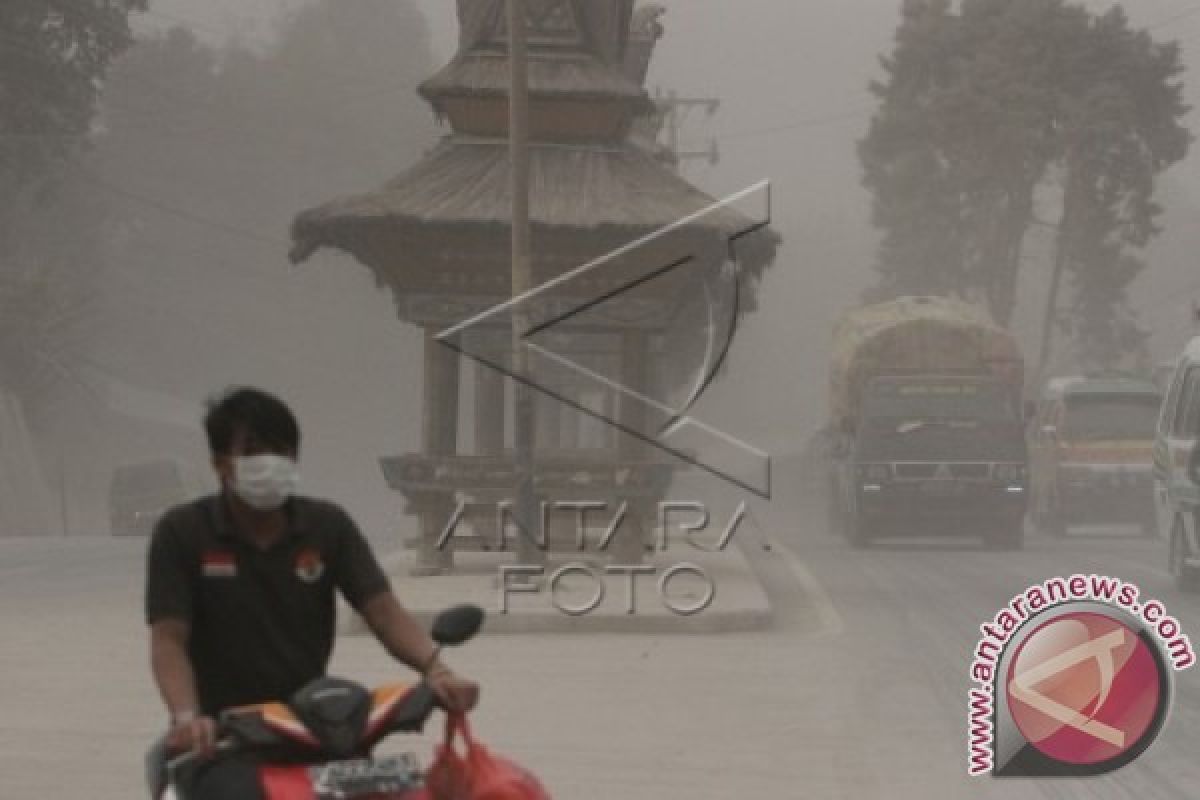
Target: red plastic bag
477, 773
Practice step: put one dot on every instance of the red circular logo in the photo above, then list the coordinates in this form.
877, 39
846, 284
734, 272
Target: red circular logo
1084, 688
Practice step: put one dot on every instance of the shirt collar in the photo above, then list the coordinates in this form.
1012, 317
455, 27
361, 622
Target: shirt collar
222, 518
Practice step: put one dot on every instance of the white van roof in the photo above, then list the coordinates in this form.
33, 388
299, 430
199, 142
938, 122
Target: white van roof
1192, 351
1056, 387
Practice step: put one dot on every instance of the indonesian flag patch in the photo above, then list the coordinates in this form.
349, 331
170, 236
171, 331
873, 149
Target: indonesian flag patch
218, 564
309, 566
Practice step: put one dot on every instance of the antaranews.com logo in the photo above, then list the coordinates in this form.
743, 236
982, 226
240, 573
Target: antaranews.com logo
1073, 677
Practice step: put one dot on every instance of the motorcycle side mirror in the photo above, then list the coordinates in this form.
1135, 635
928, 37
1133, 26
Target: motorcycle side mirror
456, 625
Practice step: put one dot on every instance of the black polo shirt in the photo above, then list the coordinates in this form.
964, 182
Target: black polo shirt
262, 622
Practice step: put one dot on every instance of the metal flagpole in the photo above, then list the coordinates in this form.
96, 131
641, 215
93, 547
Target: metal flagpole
526, 512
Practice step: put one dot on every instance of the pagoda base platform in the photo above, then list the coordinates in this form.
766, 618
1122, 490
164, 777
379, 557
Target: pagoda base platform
739, 602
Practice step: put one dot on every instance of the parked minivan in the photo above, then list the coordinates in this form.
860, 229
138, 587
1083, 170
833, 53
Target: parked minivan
1177, 469
1090, 449
141, 492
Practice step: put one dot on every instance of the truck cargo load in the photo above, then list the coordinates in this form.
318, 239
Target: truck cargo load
927, 424
915, 335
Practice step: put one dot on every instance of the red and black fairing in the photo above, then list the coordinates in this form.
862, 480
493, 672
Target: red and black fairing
330, 718
329, 721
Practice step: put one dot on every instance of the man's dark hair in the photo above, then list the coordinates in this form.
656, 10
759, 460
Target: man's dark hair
262, 416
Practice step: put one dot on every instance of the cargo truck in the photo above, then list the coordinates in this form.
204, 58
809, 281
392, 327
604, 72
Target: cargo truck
927, 423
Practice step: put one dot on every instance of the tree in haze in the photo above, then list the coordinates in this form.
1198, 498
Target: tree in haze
210, 148
1121, 128
218, 146
249, 136
53, 57
209, 151
53, 60
985, 109
906, 168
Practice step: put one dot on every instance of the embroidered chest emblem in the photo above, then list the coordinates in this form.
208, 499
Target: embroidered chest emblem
218, 564
309, 566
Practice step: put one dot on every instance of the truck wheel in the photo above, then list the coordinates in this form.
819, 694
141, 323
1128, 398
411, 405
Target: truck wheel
1051, 522
1010, 536
834, 515
858, 531
1150, 528
1187, 578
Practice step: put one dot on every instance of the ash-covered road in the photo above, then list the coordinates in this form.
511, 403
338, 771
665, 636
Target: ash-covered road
858, 692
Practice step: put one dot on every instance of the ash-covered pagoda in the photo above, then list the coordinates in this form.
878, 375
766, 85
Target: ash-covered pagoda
438, 236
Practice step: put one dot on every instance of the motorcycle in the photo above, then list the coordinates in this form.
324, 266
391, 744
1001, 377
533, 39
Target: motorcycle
319, 744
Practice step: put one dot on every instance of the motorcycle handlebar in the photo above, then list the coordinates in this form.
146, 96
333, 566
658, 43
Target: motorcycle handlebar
228, 742
179, 762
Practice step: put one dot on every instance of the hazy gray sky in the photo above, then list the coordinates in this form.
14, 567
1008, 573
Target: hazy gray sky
792, 79
252, 18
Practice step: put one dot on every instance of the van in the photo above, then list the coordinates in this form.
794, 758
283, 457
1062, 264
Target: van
140, 493
1091, 451
1177, 470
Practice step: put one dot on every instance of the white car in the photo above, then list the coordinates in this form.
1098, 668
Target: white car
1177, 469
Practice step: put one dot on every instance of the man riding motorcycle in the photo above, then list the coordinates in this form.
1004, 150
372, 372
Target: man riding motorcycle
240, 591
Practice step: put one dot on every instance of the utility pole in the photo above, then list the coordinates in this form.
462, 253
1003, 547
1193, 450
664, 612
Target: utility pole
526, 512
1062, 245
62, 493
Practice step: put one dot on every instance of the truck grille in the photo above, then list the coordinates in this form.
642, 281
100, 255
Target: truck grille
915, 472
929, 470
972, 472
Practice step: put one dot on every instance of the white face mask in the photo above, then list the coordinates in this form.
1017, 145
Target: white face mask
265, 481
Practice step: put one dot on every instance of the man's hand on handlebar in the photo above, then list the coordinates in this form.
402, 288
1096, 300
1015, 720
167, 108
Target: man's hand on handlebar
456, 694
197, 735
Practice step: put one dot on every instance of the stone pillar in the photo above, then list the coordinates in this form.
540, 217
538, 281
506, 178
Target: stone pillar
570, 427
439, 437
549, 421
629, 546
634, 376
489, 411
609, 409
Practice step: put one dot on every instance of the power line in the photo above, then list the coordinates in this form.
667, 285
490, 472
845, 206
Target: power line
41, 136
1186, 12
193, 26
224, 322
341, 76
810, 122
244, 233
835, 117
162, 90
222, 263
185, 22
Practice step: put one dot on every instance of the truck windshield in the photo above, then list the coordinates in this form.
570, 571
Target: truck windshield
1131, 417
922, 419
912, 404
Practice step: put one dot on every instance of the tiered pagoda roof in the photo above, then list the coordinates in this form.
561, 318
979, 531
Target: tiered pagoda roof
588, 175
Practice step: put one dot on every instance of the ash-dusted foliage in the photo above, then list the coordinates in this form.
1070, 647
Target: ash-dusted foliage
53, 57
1000, 116
53, 60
